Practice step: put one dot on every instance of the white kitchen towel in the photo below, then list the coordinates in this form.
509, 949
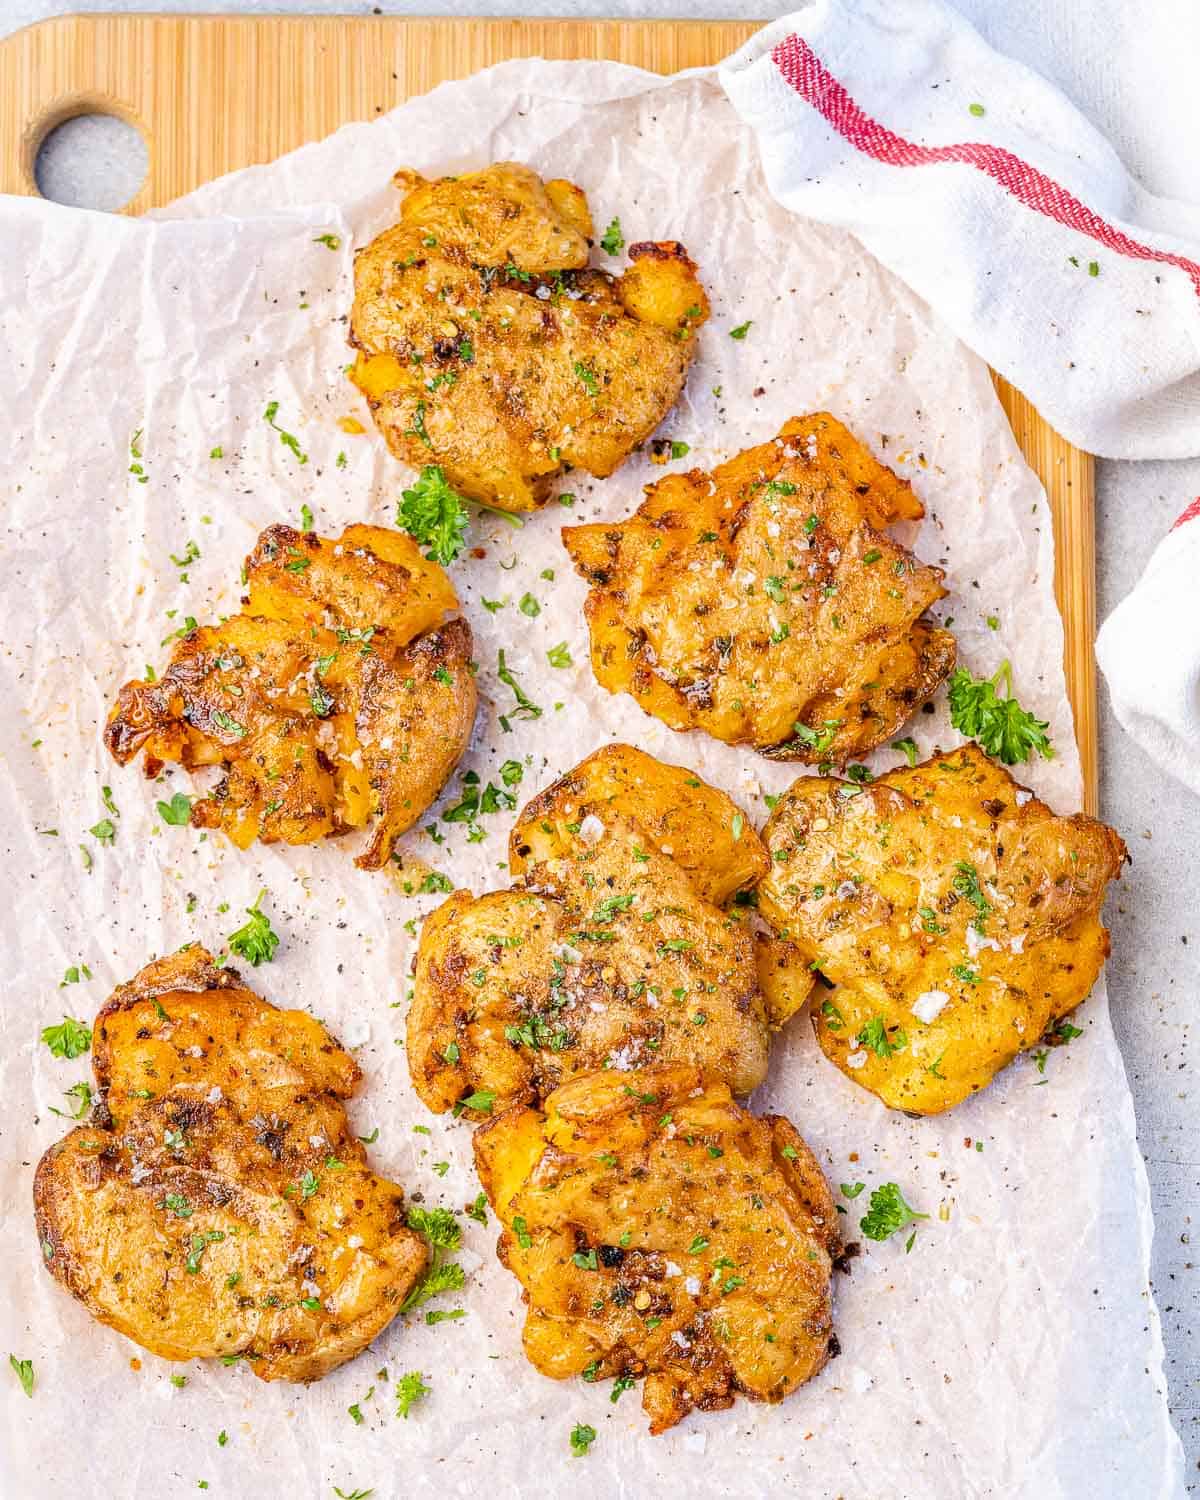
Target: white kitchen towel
975, 180
1149, 651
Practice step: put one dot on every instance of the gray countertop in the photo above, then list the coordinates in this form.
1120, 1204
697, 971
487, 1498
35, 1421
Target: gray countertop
1154, 973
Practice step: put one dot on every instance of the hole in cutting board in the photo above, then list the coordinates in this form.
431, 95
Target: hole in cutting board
92, 161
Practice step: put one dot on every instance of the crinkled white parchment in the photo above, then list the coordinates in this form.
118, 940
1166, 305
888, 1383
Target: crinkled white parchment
1015, 1352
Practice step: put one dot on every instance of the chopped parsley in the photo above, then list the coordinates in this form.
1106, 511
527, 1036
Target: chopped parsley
966, 884
481, 1099
612, 241
741, 330
288, 439
70, 1040
582, 1436
526, 708
23, 1370
908, 748
330, 241
410, 1389
177, 812
229, 724
82, 1095
588, 376
875, 1035
418, 428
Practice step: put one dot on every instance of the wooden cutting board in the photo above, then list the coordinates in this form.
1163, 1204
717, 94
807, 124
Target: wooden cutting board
212, 94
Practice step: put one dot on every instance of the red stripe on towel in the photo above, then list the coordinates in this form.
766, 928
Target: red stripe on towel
801, 67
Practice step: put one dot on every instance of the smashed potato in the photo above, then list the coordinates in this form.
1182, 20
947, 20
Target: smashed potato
486, 345
765, 604
660, 1230
955, 915
341, 693
609, 953
684, 818
218, 1204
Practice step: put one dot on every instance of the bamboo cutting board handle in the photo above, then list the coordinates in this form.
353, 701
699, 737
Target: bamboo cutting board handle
212, 94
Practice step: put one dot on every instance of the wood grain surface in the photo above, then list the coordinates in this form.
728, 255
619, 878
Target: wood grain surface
215, 93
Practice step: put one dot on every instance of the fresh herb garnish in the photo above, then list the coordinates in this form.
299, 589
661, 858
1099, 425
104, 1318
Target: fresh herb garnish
887, 1213
23, 1370
1001, 725
443, 1233
582, 1436
177, 812
526, 708
882, 1040
434, 514
612, 241
70, 1040
82, 1094
256, 942
288, 439
908, 748
409, 1390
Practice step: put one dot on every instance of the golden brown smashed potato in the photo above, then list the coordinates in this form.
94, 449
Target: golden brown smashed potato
219, 1203
341, 693
765, 604
660, 1230
694, 824
956, 916
609, 953
487, 346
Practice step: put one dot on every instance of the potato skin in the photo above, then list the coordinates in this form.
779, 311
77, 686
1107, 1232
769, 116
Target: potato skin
608, 953
658, 1229
339, 695
218, 1202
486, 345
885, 889
764, 603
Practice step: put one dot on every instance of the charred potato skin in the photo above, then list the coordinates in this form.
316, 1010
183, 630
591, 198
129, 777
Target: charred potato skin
339, 695
766, 603
607, 953
876, 888
486, 345
233, 1211
590, 1177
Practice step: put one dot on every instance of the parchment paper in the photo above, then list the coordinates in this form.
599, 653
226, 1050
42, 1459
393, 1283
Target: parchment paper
1015, 1352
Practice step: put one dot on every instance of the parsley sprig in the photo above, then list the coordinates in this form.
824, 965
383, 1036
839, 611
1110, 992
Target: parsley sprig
888, 1213
443, 1233
1001, 725
256, 942
434, 514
